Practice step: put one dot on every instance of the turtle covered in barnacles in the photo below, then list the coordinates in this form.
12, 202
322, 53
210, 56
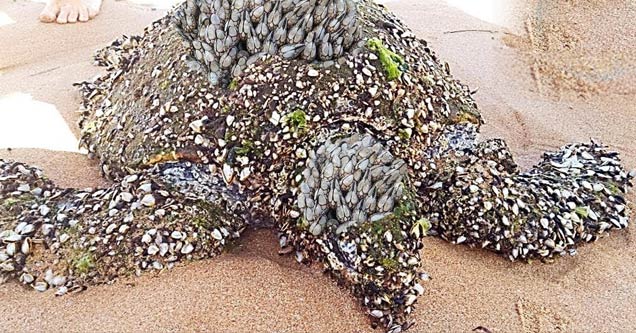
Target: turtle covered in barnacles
327, 119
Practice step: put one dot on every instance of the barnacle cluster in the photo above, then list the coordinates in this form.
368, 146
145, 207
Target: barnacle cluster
355, 214
227, 36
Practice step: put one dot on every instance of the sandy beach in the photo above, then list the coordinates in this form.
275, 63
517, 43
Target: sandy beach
523, 99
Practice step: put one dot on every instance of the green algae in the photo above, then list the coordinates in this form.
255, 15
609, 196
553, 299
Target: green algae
83, 262
245, 148
297, 120
404, 134
233, 85
581, 211
390, 61
421, 227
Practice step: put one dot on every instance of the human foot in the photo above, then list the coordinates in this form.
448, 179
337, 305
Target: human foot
70, 11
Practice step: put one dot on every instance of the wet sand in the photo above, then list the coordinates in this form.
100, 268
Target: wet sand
252, 289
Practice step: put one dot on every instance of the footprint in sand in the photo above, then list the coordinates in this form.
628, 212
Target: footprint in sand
537, 318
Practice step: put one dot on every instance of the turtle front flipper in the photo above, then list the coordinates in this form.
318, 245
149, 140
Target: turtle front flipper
67, 238
572, 196
354, 212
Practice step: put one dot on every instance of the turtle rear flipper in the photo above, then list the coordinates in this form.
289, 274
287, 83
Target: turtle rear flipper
574, 195
64, 238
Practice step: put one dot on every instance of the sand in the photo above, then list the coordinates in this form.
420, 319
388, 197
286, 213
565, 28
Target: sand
252, 289
568, 57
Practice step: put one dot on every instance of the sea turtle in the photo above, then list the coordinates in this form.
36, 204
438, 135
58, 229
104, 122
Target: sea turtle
327, 119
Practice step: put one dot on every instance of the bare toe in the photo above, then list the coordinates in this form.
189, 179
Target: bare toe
73, 14
49, 14
83, 14
93, 7
62, 17
92, 12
